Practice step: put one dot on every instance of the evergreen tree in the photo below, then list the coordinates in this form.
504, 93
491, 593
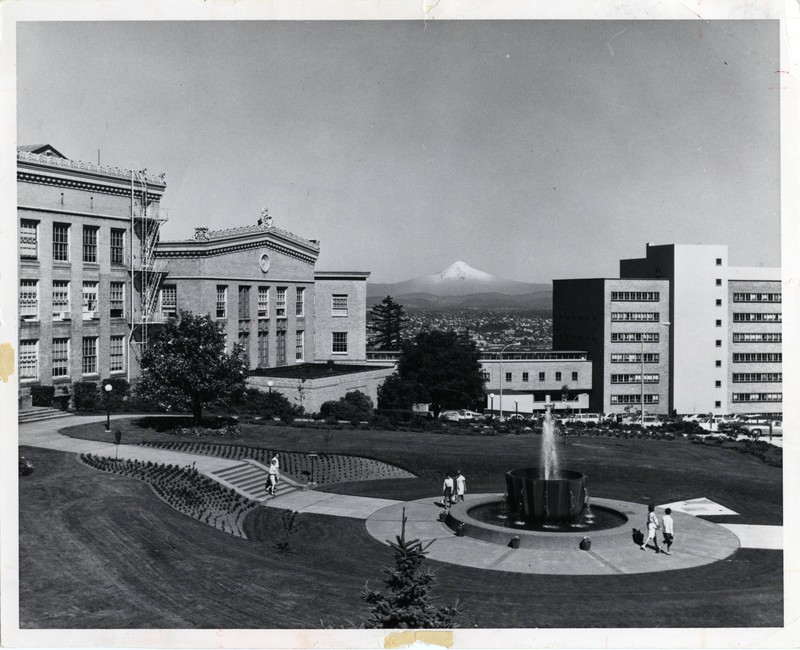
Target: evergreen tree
440, 368
408, 604
387, 321
185, 365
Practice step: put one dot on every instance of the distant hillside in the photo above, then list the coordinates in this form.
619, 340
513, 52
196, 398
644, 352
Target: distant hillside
541, 301
461, 286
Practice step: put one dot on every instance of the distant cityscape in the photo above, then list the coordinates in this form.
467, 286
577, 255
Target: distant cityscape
489, 328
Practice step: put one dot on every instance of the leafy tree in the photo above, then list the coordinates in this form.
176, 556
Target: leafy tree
185, 365
354, 406
440, 368
409, 603
387, 321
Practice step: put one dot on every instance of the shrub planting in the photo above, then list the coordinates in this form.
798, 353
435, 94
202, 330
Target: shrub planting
185, 490
86, 395
42, 395
354, 407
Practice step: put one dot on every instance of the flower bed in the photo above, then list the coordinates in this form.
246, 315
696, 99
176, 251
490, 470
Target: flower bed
325, 468
185, 490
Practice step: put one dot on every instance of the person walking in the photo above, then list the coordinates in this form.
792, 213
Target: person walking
448, 491
274, 475
461, 486
668, 525
652, 526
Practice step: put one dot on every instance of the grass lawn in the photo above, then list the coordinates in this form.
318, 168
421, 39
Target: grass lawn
98, 550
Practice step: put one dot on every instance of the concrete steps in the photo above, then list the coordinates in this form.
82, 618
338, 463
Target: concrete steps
39, 413
249, 478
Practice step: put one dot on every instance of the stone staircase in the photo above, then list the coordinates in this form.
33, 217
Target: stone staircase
39, 413
249, 479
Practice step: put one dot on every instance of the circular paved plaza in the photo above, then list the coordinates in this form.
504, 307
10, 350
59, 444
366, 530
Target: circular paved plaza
613, 552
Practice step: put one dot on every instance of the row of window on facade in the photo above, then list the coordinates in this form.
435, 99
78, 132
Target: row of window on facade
61, 303
339, 345
90, 251
509, 376
60, 354
168, 302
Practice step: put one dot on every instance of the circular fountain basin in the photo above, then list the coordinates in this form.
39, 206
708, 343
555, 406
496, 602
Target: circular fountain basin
616, 536
592, 519
534, 498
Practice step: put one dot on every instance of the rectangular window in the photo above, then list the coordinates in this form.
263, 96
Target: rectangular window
90, 244
117, 354
541, 376
718, 364
280, 341
718, 323
574, 376
635, 316
634, 399
299, 345
717, 404
634, 378
222, 301
486, 376
635, 296
757, 377
524, 376
89, 355
29, 299
634, 337
718, 302
718, 282
756, 318
244, 341
117, 300
280, 302
339, 304
759, 337
60, 358
758, 397
758, 357
718, 343
168, 299
60, 242
89, 300
757, 297
61, 309
719, 261
718, 384
117, 246
244, 303
631, 357
508, 376
28, 360
299, 305
263, 302
558, 376
263, 348
28, 239
339, 345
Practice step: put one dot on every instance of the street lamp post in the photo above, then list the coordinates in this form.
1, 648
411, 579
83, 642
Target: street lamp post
491, 402
501, 376
108, 388
270, 384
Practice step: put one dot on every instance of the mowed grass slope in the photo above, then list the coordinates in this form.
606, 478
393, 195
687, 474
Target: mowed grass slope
102, 551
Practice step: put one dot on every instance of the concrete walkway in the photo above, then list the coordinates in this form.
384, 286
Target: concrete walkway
696, 544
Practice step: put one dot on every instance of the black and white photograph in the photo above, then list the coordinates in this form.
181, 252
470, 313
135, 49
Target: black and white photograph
448, 326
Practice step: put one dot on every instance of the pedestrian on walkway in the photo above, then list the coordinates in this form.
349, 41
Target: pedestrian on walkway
461, 486
448, 491
667, 524
652, 526
274, 475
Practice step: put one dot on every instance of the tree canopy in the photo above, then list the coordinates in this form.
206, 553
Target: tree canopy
440, 368
185, 365
387, 321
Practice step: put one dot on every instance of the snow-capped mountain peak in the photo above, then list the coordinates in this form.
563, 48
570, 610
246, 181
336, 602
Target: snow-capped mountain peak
463, 271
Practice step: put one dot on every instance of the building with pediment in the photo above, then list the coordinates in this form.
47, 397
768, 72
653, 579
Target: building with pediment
96, 278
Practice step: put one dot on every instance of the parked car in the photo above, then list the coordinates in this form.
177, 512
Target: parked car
757, 428
450, 416
694, 417
585, 418
466, 414
647, 421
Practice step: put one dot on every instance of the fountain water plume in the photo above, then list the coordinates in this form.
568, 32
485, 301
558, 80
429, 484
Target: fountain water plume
550, 461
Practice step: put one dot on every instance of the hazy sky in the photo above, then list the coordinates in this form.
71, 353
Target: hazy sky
529, 149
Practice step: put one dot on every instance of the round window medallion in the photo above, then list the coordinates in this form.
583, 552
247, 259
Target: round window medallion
264, 262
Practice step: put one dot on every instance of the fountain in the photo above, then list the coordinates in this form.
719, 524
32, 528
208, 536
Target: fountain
546, 493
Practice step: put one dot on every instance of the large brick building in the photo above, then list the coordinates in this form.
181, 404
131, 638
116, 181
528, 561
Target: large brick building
95, 278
